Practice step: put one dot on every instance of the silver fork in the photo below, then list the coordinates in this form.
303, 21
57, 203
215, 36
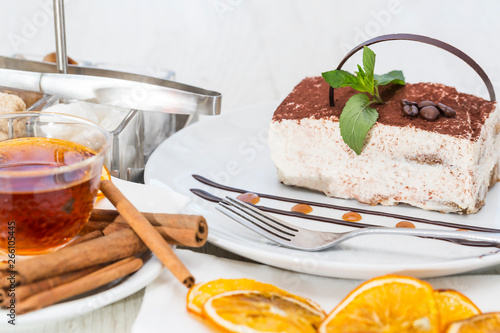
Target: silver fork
299, 238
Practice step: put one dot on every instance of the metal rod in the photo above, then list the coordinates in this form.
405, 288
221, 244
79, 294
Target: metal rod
61, 56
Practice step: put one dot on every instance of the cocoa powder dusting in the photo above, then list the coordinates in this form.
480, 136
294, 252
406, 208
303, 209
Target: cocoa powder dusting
309, 99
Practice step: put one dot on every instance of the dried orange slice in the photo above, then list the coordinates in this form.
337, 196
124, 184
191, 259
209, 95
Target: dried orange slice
257, 311
200, 293
386, 304
105, 175
484, 323
453, 306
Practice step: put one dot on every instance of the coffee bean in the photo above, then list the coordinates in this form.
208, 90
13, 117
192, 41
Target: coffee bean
446, 110
423, 104
450, 113
410, 110
430, 113
407, 109
414, 111
441, 107
406, 102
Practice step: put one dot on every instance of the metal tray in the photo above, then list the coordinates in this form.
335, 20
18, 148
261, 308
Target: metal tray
135, 133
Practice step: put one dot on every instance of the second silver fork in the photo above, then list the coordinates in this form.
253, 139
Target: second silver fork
299, 238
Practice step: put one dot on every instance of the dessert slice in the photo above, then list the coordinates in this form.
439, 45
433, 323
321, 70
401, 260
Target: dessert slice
446, 165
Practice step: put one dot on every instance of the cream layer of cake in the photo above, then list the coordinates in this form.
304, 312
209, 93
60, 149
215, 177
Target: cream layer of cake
445, 165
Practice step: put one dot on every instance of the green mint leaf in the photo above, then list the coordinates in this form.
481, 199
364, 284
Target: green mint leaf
356, 120
360, 74
339, 78
365, 82
369, 63
357, 117
396, 77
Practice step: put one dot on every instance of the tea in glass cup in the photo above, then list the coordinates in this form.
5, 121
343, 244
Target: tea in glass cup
50, 169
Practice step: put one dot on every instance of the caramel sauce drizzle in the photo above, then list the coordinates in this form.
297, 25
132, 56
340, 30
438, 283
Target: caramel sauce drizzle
249, 197
302, 208
405, 224
352, 216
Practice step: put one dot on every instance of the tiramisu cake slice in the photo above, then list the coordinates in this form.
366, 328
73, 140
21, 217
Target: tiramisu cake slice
446, 164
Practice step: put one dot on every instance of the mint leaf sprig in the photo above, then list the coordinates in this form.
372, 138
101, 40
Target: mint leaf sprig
357, 116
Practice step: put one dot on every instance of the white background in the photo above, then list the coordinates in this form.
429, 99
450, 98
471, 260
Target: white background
258, 50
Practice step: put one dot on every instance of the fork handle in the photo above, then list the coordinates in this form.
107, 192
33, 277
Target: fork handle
471, 237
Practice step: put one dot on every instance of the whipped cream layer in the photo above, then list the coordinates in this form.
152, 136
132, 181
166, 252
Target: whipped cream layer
447, 165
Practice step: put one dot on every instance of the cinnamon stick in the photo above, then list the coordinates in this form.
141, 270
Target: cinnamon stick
153, 240
91, 226
177, 221
178, 226
177, 229
89, 282
86, 237
117, 245
182, 237
114, 226
25, 291
108, 215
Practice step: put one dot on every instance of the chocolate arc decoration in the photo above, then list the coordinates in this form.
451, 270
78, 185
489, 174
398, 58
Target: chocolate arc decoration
426, 40
213, 198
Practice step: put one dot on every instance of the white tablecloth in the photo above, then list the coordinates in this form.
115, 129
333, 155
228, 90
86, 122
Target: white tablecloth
164, 305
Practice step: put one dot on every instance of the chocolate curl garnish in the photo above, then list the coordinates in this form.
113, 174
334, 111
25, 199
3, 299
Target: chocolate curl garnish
426, 40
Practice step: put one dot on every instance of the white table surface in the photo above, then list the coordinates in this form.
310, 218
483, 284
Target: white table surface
253, 51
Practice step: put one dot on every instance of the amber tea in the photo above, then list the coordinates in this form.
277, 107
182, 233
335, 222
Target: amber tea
48, 209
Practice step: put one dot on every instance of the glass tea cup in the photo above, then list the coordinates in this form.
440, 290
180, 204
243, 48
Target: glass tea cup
50, 169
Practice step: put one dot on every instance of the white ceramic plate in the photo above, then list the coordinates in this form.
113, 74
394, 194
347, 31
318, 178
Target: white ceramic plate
145, 198
232, 149
97, 299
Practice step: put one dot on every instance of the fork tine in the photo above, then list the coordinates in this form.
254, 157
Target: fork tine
251, 223
252, 210
262, 219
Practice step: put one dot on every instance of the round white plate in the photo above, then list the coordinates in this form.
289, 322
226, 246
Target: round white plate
103, 296
232, 149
